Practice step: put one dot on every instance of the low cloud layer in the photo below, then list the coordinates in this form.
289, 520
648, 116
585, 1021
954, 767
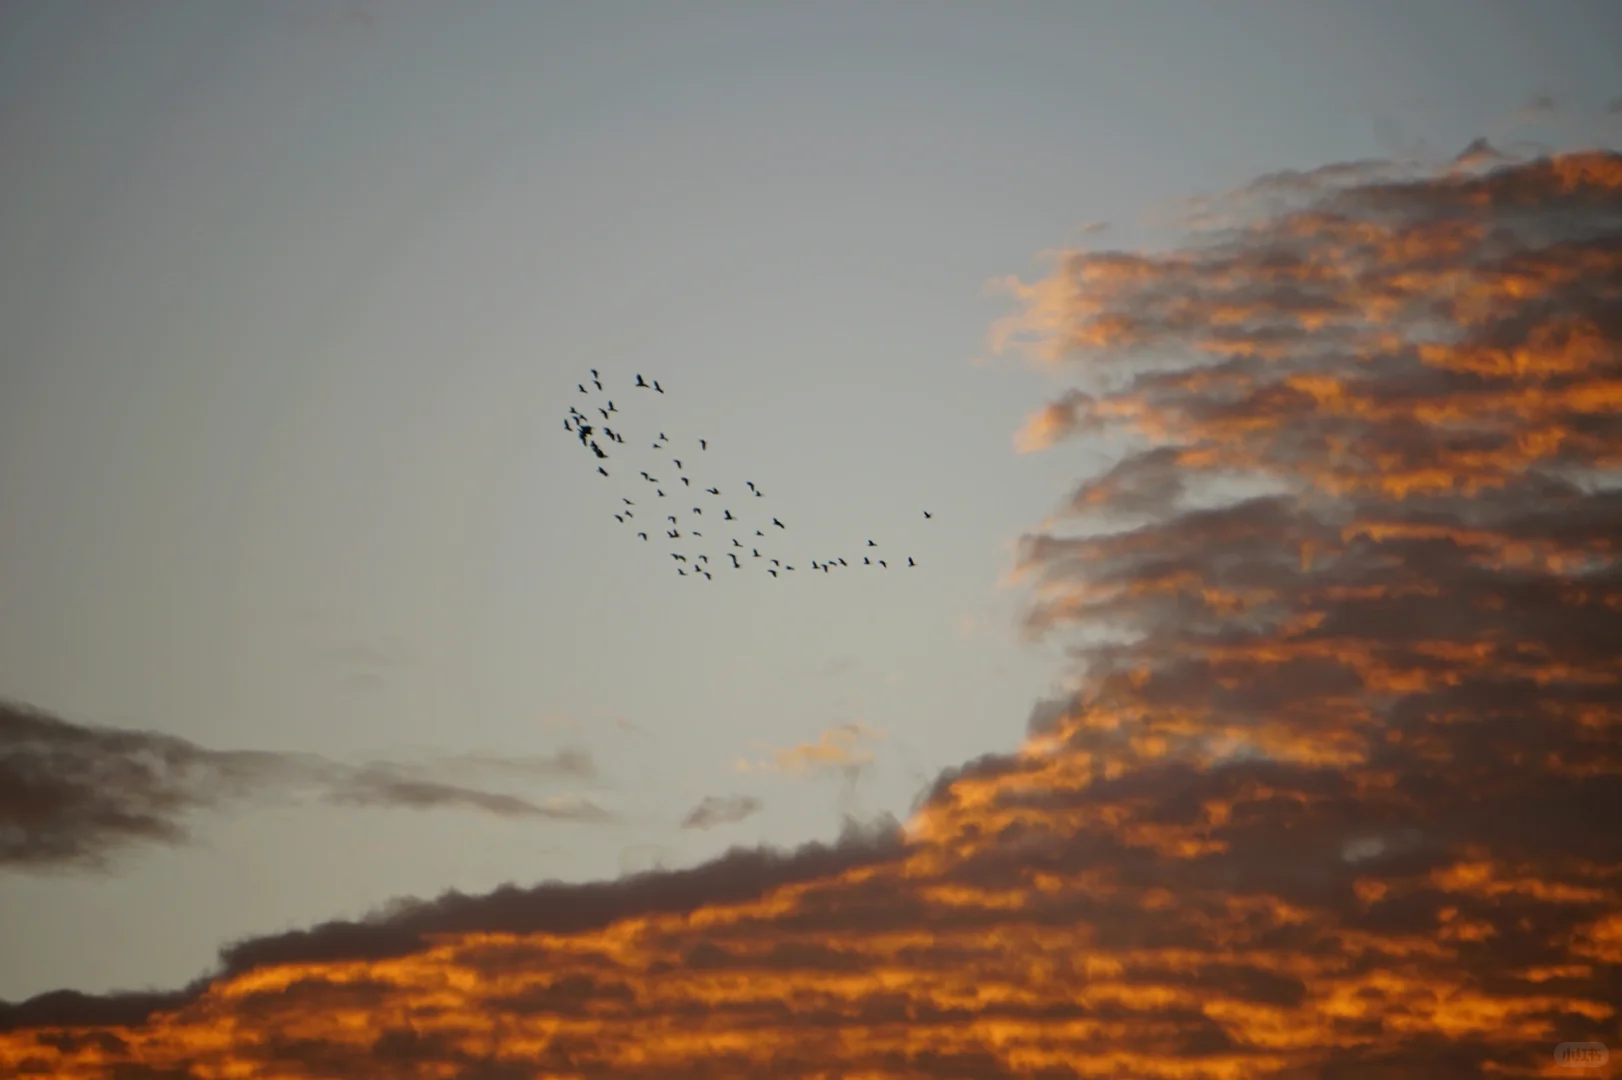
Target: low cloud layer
1336, 796
73, 795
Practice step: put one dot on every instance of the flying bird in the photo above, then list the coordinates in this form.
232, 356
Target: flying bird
627, 502
866, 561
773, 573
643, 535
703, 444
927, 514
713, 491
706, 573
729, 516
674, 534
736, 565
750, 484
697, 533
779, 524
755, 552
602, 470
639, 381
673, 519
620, 518
645, 476
884, 564
704, 558
663, 437
686, 482
677, 461
910, 562
678, 558
594, 373
611, 405
759, 533
582, 387
604, 412
659, 492
871, 544
598, 384
657, 387
696, 510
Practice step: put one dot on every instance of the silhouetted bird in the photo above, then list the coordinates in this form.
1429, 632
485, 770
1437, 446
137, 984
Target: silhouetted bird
657, 387
713, 491
697, 533
686, 482
703, 444
910, 562
866, 561
659, 492
696, 510
678, 558
788, 568
755, 552
779, 524
626, 501
776, 563
757, 493
645, 476
594, 373
871, 544
842, 562
672, 519
604, 412
674, 534
611, 405
582, 387
759, 533
602, 470
729, 516
677, 461
598, 384
643, 535
773, 573
735, 542
680, 571
639, 381
568, 426
663, 437
703, 558
706, 573
884, 564
736, 565
927, 514
620, 518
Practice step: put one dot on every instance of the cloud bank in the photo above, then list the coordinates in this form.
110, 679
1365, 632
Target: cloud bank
74, 796
1336, 798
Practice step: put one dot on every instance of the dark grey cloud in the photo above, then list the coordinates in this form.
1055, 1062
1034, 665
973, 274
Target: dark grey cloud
721, 810
74, 795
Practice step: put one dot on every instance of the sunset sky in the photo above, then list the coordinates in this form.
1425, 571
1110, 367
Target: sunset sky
1255, 706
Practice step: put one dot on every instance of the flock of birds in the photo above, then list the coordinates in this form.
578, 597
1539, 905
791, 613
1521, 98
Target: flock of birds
735, 524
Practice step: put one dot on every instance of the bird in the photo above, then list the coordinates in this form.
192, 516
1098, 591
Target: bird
704, 558
659, 492
866, 561
696, 510
788, 568
697, 533
645, 476
759, 533
582, 387
620, 518
674, 534
602, 470
706, 573
871, 544
663, 437
703, 444
910, 562
604, 412
567, 426
757, 493
657, 387
842, 562
927, 514
598, 383
755, 552
643, 535
713, 491
884, 564
672, 519
680, 571
677, 461
750, 484
686, 482
736, 565
627, 502
611, 405
776, 563
594, 373
735, 542
678, 558
779, 524
773, 573
639, 381
729, 516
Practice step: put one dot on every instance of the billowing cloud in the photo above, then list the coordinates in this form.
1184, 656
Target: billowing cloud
73, 795
716, 810
1334, 794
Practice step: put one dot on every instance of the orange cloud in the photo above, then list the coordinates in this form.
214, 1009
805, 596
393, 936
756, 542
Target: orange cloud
1332, 795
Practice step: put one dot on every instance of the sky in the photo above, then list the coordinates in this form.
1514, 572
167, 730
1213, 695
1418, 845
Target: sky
1252, 709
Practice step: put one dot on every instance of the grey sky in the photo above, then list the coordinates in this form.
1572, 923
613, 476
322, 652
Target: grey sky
293, 297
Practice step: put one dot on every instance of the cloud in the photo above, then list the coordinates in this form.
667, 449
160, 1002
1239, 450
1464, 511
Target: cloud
721, 810
839, 747
73, 795
1330, 795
